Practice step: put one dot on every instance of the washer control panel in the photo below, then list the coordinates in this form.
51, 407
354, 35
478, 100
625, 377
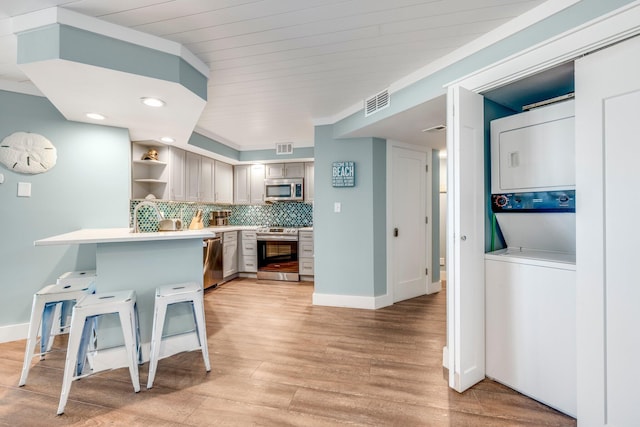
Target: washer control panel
539, 201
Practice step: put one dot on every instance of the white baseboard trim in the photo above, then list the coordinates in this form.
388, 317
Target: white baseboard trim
445, 357
352, 301
434, 287
14, 332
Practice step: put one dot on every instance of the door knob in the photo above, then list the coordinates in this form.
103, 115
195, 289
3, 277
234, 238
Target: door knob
463, 238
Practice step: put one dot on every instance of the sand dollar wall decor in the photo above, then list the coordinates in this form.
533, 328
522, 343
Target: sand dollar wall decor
27, 152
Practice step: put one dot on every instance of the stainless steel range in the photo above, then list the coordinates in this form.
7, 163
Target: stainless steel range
278, 253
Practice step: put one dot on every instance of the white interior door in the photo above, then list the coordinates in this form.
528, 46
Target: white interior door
408, 201
607, 232
465, 238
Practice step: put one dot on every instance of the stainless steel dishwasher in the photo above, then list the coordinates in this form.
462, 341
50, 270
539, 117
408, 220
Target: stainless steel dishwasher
212, 258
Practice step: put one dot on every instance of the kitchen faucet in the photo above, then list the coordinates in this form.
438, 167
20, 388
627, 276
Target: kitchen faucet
136, 228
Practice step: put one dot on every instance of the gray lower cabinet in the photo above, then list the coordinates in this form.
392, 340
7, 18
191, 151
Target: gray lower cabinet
248, 252
305, 253
229, 253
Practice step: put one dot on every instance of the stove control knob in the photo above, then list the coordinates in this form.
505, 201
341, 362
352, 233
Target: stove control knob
501, 201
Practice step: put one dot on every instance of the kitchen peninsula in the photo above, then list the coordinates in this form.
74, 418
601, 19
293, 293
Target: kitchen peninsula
142, 262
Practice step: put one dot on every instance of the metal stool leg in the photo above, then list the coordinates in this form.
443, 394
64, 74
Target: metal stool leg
73, 348
32, 337
160, 312
128, 321
198, 316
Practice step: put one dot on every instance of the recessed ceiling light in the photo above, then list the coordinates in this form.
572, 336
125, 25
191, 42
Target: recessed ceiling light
152, 102
95, 116
167, 139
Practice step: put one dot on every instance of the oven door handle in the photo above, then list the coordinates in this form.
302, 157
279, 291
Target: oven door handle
277, 238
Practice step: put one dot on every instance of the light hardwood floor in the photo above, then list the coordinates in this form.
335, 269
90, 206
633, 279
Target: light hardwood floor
276, 361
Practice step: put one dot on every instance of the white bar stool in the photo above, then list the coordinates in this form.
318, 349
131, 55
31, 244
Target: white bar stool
173, 294
121, 302
48, 308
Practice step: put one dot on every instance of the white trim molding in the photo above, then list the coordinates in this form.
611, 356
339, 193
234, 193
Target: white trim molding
603, 31
14, 332
434, 287
352, 301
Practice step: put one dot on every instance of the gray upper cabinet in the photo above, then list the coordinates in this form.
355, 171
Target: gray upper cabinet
193, 177
177, 176
199, 176
207, 187
223, 182
284, 170
308, 182
242, 184
248, 184
257, 184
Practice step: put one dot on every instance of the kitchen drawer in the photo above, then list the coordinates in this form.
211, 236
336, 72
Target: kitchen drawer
248, 247
248, 235
229, 236
306, 249
305, 266
305, 236
248, 264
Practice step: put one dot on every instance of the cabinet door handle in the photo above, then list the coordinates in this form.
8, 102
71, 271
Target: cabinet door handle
395, 232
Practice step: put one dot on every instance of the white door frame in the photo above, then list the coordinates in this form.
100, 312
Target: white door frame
602, 31
428, 212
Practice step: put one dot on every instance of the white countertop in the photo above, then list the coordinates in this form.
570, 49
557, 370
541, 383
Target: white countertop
115, 235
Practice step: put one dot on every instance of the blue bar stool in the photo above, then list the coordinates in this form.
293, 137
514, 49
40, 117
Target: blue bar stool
50, 305
87, 309
174, 294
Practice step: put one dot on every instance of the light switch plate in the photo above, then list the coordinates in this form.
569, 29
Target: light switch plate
24, 189
1, 178
337, 207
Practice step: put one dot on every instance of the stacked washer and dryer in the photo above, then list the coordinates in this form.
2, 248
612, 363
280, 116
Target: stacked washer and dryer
531, 283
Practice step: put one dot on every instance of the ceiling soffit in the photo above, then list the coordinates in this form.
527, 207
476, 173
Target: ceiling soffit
81, 71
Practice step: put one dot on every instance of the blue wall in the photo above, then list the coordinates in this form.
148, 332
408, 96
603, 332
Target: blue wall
351, 245
88, 187
214, 146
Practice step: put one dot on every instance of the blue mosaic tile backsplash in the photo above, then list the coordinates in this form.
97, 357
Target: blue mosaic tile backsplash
290, 214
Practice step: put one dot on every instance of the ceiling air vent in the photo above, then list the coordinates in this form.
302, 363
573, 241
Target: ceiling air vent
376, 103
284, 148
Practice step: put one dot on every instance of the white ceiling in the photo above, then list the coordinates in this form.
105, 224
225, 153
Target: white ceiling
278, 66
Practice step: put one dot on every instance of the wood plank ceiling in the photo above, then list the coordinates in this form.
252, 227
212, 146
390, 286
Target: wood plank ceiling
278, 65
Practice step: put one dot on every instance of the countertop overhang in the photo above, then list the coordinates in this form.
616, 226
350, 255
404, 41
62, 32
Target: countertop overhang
120, 235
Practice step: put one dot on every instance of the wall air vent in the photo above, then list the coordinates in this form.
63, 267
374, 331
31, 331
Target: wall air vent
435, 128
284, 148
376, 103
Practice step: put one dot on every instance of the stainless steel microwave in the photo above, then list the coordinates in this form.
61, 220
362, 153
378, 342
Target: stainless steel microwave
283, 190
